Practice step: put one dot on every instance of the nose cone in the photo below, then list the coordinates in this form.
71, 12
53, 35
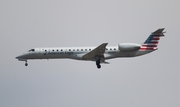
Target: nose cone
21, 57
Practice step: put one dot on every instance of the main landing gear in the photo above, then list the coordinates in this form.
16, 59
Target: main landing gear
98, 64
26, 64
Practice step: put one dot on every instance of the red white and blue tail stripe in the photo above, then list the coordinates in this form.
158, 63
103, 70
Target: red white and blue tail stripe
153, 40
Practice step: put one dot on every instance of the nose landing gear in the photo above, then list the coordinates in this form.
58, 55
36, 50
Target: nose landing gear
26, 64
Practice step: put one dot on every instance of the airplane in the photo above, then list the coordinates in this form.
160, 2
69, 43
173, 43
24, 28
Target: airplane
97, 54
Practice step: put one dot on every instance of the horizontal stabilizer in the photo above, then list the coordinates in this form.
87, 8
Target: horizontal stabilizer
158, 32
105, 62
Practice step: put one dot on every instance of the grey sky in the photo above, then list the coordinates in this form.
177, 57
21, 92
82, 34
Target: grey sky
146, 81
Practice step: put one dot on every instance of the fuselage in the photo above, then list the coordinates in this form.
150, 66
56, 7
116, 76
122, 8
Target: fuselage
77, 53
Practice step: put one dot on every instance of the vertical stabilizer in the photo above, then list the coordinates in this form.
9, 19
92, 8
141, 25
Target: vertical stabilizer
153, 40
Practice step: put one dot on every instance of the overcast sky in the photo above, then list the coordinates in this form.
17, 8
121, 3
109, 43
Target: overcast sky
152, 80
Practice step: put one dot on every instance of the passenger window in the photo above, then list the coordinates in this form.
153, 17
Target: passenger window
114, 48
69, 49
77, 49
73, 49
85, 49
89, 49
81, 49
110, 49
53, 50
57, 50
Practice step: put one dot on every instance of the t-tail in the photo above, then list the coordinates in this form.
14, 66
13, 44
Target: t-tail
152, 41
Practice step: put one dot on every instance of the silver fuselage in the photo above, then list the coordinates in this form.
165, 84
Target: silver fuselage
77, 53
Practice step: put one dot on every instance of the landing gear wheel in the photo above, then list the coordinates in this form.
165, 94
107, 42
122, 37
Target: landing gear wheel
98, 66
26, 64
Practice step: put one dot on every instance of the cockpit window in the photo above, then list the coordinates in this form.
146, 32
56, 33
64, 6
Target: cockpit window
31, 50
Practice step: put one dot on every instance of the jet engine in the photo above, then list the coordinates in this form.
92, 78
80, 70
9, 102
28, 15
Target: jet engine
128, 46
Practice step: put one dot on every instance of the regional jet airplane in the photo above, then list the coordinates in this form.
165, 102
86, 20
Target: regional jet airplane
97, 54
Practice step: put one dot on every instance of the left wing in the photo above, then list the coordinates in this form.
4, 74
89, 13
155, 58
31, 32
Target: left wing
97, 52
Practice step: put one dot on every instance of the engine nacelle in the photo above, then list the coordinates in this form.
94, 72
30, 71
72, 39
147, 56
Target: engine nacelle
128, 46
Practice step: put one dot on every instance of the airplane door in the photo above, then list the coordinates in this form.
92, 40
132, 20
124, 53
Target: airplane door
40, 52
44, 52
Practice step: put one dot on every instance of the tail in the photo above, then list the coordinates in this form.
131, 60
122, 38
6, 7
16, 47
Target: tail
153, 40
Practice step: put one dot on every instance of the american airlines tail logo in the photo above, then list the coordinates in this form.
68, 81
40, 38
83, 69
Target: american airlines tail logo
153, 40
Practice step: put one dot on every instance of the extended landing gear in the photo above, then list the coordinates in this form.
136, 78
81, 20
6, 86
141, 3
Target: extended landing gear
26, 64
98, 64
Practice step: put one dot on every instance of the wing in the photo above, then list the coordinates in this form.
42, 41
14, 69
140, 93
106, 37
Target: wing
97, 52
